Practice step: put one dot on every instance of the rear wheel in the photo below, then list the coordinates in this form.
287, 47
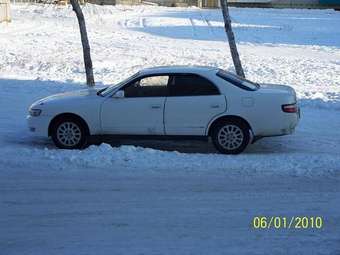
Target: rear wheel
69, 133
230, 137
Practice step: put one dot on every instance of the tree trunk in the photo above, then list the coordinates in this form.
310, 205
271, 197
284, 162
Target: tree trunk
85, 43
231, 38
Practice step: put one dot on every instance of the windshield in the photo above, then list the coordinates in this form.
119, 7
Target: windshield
238, 81
104, 92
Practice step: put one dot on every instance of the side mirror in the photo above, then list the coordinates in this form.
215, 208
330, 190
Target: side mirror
119, 94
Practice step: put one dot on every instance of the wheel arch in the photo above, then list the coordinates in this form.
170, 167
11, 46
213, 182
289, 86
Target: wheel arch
235, 118
68, 115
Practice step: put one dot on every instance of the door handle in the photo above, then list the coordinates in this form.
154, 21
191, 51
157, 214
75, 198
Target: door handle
215, 106
155, 106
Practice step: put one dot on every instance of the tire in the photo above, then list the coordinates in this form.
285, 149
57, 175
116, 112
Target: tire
230, 137
69, 133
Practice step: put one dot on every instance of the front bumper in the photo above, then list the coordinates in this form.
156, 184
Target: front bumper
38, 125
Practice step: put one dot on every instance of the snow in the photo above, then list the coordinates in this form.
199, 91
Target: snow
300, 45
168, 197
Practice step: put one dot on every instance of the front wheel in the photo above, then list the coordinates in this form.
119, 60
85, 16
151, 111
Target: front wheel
69, 133
230, 137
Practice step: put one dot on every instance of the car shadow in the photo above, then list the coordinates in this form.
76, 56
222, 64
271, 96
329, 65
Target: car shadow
265, 146
272, 145
183, 146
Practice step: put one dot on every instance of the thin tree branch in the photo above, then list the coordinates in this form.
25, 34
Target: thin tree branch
85, 43
231, 38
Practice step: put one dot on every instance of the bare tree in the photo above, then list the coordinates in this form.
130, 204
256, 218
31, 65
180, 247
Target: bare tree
231, 38
84, 42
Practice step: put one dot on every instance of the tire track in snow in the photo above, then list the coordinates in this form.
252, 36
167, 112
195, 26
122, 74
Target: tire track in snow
142, 22
211, 27
193, 26
131, 23
122, 23
206, 20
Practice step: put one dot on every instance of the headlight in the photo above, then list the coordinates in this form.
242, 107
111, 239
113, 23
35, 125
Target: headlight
35, 112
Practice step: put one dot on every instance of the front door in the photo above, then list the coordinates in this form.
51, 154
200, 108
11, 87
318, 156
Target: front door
140, 111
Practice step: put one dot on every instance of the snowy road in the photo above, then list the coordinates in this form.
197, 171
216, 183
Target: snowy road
103, 214
134, 200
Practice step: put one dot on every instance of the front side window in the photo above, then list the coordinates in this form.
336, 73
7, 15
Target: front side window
191, 85
106, 91
151, 86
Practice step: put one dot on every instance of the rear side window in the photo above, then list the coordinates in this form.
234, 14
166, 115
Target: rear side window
238, 81
191, 85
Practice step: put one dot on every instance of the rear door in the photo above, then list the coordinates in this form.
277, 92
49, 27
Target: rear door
192, 102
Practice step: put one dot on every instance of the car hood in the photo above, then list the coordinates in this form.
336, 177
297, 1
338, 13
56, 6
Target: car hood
70, 95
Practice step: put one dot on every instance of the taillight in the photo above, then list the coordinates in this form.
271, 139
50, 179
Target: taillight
290, 108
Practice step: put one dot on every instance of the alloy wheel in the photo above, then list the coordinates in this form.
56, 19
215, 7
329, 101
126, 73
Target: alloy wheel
230, 137
68, 134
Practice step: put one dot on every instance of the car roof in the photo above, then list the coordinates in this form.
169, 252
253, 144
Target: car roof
177, 69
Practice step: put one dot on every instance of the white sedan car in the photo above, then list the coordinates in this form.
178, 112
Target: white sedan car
176, 101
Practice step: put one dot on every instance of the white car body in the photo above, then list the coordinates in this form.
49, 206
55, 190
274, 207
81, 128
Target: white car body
112, 113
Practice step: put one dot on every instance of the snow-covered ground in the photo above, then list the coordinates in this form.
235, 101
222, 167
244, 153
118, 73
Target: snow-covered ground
134, 200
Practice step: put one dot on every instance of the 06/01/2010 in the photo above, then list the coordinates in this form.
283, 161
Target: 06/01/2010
293, 222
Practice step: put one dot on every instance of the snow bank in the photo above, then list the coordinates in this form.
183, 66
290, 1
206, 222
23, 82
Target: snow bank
138, 160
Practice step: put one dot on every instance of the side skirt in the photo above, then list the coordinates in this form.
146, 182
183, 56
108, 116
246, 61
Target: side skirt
150, 137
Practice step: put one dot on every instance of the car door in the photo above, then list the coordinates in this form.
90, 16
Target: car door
192, 102
140, 110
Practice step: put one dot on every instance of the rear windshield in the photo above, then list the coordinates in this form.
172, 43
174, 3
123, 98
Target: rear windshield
238, 81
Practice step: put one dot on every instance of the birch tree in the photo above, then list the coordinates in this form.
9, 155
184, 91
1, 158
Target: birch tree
84, 42
231, 39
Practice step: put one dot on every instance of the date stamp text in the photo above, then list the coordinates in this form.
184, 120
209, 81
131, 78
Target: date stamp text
282, 222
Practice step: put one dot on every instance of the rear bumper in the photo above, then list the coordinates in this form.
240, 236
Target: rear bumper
277, 125
292, 120
38, 125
